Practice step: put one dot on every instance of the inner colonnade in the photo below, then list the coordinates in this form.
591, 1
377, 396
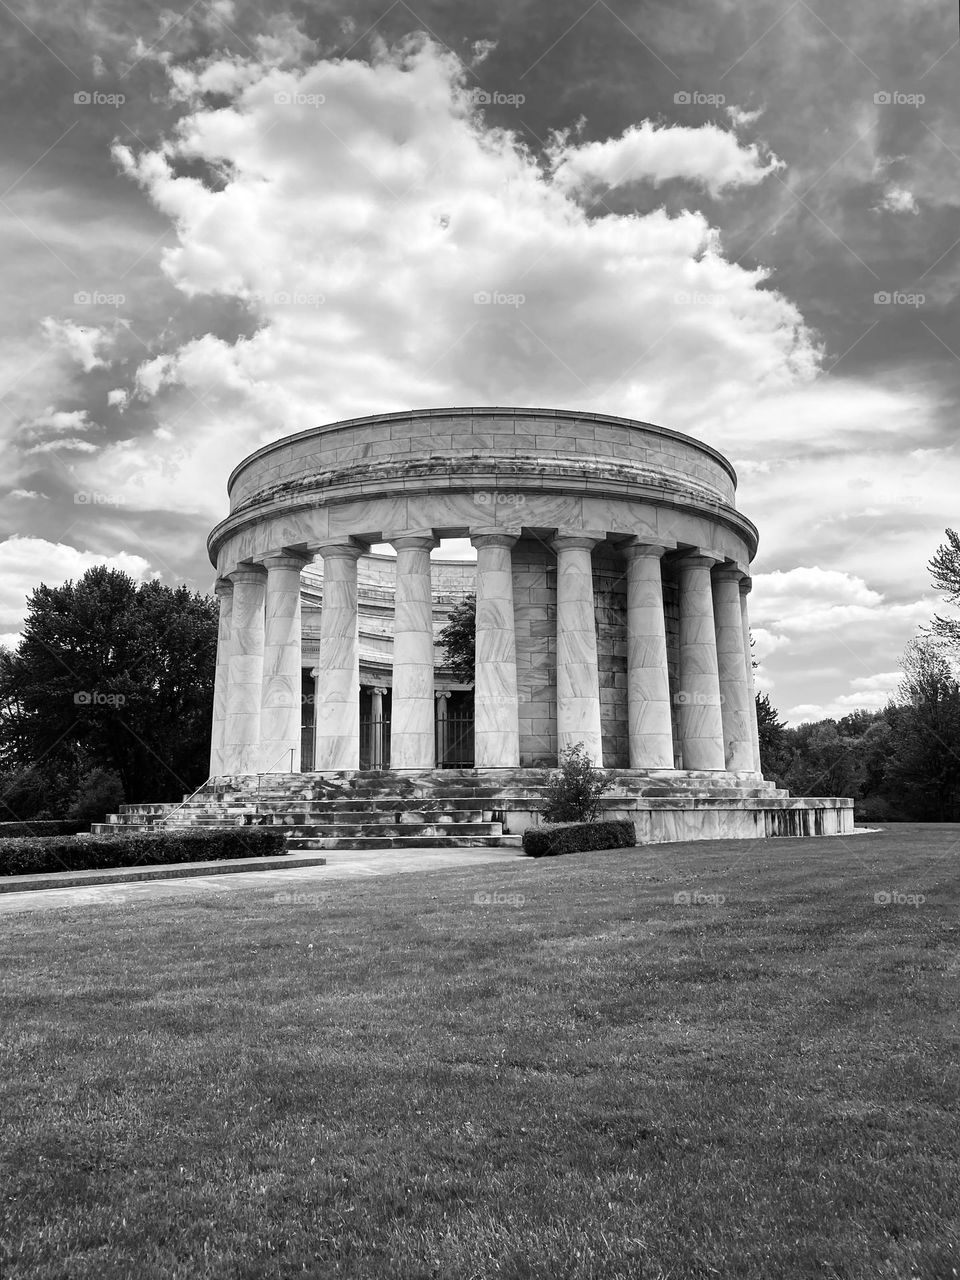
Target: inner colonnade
689, 700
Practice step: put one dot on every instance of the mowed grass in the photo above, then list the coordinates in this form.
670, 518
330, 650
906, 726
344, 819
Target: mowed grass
400, 1080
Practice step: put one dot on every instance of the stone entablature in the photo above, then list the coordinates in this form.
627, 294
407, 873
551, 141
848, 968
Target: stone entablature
611, 579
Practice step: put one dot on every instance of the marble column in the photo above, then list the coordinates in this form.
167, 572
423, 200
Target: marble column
731, 669
412, 744
241, 738
443, 741
376, 727
578, 677
649, 723
337, 713
224, 592
745, 585
282, 705
698, 697
496, 732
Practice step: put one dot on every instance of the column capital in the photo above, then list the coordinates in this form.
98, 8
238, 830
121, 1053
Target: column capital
575, 541
746, 585
348, 549
697, 561
727, 573
285, 560
442, 693
499, 538
643, 550
248, 573
379, 688
413, 542
223, 587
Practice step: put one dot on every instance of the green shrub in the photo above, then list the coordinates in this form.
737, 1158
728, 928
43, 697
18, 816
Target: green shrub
42, 827
22, 856
547, 842
573, 792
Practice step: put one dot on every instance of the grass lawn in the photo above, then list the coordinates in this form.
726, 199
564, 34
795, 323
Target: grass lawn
575, 1075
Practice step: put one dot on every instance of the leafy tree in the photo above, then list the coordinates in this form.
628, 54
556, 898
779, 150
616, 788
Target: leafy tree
458, 639
925, 764
771, 730
945, 571
573, 792
112, 675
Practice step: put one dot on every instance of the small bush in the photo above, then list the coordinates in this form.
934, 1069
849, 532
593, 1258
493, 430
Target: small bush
41, 827
19, 857
573, 792
548, 842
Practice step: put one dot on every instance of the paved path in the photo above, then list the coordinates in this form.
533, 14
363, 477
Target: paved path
342, 864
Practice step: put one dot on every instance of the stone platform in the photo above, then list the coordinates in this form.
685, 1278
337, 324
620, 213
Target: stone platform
470, 808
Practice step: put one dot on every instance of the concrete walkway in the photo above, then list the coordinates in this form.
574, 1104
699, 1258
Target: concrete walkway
341, 864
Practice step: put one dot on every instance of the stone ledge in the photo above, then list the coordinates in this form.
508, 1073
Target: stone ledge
162, 871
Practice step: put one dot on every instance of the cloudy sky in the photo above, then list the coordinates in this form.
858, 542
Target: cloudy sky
736, 220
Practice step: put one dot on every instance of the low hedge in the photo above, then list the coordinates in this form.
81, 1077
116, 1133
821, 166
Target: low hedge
42, 827
20, 857
547, 842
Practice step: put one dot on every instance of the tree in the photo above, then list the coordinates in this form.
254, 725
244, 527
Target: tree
945, 571
771, 730
112, 675
458, 639
925, 764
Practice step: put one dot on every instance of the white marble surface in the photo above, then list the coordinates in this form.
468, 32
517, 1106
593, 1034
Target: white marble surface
496, 707
578, 684
241, 740
337, 711
732, 672
224, 592
280, 710
650, 726
698, 696
745, 585
412, 743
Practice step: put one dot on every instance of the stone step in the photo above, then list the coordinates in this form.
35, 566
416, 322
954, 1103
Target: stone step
300, 843
405, 830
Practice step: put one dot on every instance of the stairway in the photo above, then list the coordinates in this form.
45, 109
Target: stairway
470, 808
